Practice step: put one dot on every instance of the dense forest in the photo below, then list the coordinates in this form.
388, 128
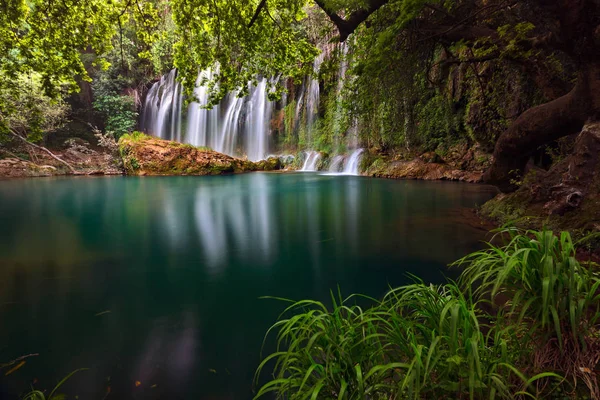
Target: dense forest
500, 92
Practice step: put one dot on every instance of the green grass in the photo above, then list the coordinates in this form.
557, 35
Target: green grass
419, 342
520, 323
134, 136
541, 280
53, 395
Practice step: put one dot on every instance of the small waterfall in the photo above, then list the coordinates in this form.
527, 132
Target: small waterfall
353, 162
236, 126
341, 79
257, 122
310, 163
313, 96
336, 164
203, 124
162, 108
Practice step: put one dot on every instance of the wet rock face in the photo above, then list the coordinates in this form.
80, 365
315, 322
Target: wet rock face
270, 164
146, 155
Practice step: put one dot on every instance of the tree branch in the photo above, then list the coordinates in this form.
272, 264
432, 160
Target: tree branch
347, 26
261, 5
13, 133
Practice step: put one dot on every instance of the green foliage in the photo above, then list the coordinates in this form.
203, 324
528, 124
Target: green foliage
525, 308
27, 111
418, 342
161, 53
118, 112
135, 136
437, 122
219, 33
548, 288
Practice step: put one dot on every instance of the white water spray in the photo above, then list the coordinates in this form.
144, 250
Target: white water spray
351, 167
310, 163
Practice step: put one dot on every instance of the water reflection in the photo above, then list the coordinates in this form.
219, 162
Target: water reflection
158, 280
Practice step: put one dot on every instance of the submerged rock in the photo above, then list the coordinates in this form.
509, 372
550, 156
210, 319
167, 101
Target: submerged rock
147, 155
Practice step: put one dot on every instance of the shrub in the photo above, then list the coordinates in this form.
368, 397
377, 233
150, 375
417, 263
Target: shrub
119, 113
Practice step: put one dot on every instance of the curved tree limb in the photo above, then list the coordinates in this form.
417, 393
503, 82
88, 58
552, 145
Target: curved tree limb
13, 133
261, 5
347, 26
543, 124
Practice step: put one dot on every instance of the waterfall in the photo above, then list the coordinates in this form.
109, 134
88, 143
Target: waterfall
353, 162
336, 164
341, 79
257, 122
162, 108
313, 96
236, 126
310, 163
203, 124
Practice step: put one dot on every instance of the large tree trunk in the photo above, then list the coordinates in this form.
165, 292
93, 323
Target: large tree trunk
543, 124
577, 34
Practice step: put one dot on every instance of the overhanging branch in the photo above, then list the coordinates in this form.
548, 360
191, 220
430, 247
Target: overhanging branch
261, 5
347, 26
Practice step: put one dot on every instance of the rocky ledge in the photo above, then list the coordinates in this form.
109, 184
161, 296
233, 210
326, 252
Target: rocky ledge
146, 155
419, 169
567, 196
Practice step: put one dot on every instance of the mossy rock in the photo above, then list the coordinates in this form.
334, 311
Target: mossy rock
147, 155
270, 164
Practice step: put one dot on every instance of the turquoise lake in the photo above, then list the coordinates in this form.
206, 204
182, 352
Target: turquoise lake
154, 283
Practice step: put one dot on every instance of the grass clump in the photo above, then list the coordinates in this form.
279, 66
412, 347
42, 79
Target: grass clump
520, 323
134, 136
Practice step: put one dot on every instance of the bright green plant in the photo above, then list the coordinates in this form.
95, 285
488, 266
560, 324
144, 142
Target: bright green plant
119, 113
545, 284
420, 342
536, 281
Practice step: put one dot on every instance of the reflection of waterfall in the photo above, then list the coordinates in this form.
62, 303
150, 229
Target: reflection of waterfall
229, 218
310, 164
353, 162
236, 126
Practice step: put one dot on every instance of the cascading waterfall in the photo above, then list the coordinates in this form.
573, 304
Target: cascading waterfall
351, 167
236, 126
336, 164
241, 126
341, 79
310, 163
162, 108
313, 97
257, 122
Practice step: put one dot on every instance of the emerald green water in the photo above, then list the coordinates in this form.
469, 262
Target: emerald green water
158, 280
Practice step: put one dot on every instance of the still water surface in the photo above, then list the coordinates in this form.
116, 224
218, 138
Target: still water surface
157, 280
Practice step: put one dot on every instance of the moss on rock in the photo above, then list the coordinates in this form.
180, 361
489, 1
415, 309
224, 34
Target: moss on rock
146, 155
